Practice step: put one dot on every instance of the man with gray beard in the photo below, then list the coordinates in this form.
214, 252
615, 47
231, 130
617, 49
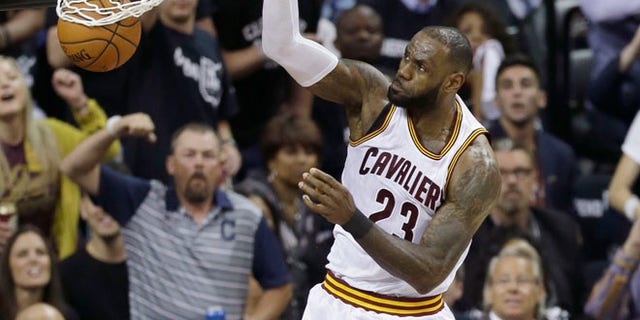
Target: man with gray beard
554, 233
190, 246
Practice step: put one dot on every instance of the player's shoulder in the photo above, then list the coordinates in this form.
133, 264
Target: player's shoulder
479, 152
478, 161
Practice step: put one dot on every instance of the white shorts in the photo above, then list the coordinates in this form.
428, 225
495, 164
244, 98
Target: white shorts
321, 305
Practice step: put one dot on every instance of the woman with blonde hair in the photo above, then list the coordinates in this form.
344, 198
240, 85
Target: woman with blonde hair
514, 286
32, 190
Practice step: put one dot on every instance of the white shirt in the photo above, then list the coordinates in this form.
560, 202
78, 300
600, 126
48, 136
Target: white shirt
631, 145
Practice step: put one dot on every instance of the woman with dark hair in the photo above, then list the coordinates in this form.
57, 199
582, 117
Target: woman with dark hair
29, 274
291, 145
487, 34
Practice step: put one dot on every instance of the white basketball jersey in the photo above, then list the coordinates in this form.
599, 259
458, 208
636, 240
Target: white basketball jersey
399, 184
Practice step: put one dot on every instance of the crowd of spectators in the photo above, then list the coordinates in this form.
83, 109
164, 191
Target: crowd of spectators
170, 185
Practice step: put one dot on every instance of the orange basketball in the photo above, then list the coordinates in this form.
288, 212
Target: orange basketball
100, 48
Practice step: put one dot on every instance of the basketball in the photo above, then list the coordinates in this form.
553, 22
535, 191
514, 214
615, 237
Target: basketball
100, 48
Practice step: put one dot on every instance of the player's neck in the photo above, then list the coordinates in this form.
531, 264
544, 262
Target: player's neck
431, 121
107, 250
12, 130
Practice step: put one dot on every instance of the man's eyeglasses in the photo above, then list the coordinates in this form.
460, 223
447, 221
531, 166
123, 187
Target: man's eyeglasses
519, 172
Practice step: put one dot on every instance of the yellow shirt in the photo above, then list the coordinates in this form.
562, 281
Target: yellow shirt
65, 221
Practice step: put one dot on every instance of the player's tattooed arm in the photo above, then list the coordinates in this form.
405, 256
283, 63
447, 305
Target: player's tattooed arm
360, 87
471, 195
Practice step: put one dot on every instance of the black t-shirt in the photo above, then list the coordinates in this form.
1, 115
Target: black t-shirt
176, 78
239, 25
95, 290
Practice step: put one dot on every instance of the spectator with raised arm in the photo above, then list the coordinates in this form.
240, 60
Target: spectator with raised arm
617, 294
202, 241
176, 76
31, 149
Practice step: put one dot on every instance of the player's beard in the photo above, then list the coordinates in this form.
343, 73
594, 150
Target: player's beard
427, 100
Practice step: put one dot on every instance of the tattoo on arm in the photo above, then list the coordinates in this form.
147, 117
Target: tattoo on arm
474, 190
360, 87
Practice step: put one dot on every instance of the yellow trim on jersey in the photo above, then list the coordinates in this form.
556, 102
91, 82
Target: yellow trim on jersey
379, 303
464, 146
452, 139
376, 132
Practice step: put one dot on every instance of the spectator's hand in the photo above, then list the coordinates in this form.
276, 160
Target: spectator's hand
630, 52
68, 85
326, 196
232, 160
631, 247
135, 125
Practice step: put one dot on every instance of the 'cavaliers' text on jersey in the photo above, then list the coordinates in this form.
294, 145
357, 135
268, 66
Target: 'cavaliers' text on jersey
399, 185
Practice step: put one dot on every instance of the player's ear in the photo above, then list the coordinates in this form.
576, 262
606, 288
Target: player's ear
454, 82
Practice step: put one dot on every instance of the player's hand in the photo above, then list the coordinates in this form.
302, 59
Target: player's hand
135, 125
68, 85
325, 195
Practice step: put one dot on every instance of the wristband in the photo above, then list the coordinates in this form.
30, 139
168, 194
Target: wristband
111, 125
358, 225
630, 207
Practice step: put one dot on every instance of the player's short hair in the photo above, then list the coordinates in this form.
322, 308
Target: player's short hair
459, 47
517, 59
192, 126
290, 129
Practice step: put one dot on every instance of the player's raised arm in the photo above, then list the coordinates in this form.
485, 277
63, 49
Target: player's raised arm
471, 195
346, 82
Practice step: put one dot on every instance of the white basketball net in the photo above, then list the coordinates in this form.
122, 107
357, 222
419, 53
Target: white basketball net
88, 13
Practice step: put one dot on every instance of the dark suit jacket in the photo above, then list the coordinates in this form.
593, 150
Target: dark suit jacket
558, 241
556, 160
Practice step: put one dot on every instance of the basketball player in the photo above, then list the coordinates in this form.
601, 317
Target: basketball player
419, 166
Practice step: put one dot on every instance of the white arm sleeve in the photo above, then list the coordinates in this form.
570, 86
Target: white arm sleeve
305, 60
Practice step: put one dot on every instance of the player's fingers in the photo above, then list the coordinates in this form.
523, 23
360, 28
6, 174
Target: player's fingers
310, 189
316, 181
314, 206
326, 178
